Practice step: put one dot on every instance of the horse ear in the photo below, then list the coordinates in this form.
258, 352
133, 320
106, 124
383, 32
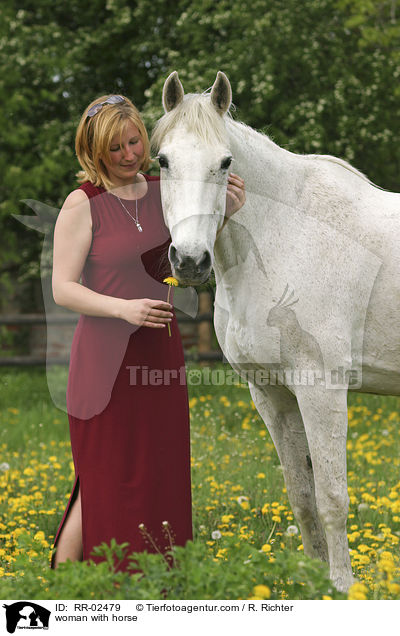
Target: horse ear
221, 93
173, 92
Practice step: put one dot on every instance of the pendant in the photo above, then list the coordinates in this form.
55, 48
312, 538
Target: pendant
139, 227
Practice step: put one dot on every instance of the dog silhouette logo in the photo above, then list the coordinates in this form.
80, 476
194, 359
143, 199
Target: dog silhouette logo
26, 615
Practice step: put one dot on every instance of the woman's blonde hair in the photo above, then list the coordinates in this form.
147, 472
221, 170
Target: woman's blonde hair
94, 135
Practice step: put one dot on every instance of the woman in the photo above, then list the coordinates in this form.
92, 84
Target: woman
129, 436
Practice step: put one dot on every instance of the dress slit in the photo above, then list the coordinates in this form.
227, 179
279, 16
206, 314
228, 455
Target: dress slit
73, 496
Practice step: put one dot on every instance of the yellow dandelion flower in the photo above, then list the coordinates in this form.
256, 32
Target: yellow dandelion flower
170, 280
394, 588
386, 565
262, 591
363, 548
266, 547
363, 559
357, 592
221, 554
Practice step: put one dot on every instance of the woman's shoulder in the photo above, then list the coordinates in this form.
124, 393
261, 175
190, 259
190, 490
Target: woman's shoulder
75, 210
75, 198
90, 189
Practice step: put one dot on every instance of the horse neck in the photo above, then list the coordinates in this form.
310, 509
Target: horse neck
271, 174
267, 169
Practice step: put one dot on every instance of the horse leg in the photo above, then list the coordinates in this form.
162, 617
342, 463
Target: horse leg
324, 413
280, 412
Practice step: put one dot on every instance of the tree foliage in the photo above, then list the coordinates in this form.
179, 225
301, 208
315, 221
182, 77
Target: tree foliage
318, 76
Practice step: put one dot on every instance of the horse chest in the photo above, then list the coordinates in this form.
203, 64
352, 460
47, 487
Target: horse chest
241, 326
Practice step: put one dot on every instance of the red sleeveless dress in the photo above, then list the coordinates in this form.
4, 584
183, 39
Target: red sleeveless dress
127, 397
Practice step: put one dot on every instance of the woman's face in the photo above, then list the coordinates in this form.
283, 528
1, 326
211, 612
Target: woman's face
126, 158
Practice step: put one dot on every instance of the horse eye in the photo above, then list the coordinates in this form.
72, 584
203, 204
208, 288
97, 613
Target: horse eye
163, 161
225, 163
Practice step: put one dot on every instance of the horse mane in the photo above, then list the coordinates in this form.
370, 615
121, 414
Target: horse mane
199, 117
328, 158
344, 164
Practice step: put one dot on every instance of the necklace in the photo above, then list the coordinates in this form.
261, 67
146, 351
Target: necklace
136, 221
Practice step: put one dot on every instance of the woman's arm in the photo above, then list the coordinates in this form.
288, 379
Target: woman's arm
72, 240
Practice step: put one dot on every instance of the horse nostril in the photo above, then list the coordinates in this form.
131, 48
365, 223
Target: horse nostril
172, 253
186, 265
174, 258
204, 262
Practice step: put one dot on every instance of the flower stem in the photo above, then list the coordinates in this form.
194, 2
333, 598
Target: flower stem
169, 326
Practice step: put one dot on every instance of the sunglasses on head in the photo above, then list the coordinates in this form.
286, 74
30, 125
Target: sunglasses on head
114, 99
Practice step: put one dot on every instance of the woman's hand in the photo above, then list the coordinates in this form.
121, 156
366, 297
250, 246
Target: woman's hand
235, 197
235, 194
145, 312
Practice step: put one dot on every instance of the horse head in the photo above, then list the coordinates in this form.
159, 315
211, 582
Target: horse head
193, 152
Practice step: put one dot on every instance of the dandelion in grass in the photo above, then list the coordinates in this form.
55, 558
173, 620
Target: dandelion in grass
357, 592
216, 535
243, 501
261, 592
266, 548
171, 282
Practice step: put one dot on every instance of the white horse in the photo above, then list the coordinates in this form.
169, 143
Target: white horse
308, 290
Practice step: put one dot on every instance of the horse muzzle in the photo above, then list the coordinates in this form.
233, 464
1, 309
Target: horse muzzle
189, 270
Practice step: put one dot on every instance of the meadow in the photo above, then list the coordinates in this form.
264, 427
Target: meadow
246, 542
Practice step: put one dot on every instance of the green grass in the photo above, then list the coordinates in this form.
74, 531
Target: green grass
238, 493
